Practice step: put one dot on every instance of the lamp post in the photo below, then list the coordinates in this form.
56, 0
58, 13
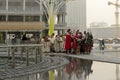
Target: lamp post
117, 31
116, 16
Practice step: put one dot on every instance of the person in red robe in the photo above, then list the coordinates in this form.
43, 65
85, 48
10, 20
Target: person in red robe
74, 43
78, 37
68, 42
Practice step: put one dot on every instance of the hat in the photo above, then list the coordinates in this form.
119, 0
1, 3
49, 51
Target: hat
68, 30
77, 31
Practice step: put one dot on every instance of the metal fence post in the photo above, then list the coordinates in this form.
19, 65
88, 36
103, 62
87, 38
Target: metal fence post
13, 57
36, 54
40, 52
27, 56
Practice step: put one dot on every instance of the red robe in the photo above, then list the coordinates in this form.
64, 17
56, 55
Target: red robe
75, 41
68, 42
77, 36
74, 44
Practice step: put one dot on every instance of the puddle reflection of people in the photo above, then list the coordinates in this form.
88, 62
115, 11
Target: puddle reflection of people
87, 64
78, 69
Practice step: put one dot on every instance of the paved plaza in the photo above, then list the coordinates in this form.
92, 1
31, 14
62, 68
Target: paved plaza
107, 55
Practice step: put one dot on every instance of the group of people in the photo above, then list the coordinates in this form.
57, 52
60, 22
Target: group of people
71, 43
22, 39
53, 43
78, 43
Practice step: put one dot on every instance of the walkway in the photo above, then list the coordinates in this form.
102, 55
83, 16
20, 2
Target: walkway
109, 56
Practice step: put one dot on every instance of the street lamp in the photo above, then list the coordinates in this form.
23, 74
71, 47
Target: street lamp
116, 16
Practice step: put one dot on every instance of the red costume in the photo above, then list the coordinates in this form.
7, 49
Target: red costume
77, 36
74, 44
68, 42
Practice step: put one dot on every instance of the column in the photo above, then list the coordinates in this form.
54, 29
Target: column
60, 20
63, 18
24, 5
41, 11
6, 10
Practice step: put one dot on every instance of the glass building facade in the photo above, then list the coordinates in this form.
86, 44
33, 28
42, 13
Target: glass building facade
29, 11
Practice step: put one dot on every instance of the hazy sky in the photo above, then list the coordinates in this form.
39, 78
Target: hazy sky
100, 11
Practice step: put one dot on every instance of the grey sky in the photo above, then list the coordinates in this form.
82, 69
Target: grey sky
100, 11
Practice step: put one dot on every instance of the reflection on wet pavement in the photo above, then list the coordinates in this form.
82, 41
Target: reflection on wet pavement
78, 69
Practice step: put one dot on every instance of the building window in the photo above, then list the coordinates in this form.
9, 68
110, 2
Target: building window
2, 4
45, 19
31, 4
32, 18
14, 4
58, 16
15, 18
2, 18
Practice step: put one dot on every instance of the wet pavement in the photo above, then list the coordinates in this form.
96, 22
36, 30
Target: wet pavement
99, 65
46, 64
78, 69
107, 55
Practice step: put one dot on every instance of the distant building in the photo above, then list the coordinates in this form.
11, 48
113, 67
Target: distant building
114, 25
76, 14
104, 32
98, 24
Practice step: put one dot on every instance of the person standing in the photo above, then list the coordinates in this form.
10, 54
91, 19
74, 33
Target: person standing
68, 41
52, 39
78, 37
24, 38
83, 45
57, 43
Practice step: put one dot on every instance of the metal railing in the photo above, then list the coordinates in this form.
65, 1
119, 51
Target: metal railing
26, 52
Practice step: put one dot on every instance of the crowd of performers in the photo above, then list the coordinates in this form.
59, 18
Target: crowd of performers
78, 43
71, 43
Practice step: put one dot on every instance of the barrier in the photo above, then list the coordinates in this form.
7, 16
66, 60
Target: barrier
23, 51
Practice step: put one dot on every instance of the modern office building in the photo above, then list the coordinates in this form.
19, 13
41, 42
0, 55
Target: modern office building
76, 14
23, 13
